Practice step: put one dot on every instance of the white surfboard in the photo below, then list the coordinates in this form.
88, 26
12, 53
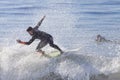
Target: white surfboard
52, 54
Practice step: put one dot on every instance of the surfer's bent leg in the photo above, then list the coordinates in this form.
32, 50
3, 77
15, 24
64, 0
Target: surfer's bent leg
51, 43
42, 44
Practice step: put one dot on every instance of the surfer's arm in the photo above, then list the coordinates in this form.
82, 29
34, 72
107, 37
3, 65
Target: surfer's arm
21, 42
39, 23
26, 43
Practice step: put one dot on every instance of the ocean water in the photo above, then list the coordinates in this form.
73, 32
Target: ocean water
74, 25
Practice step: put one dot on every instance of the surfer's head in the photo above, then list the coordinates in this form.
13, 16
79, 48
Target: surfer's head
30, 30
98, 36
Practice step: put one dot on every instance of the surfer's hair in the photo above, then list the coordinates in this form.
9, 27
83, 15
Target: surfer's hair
29, 28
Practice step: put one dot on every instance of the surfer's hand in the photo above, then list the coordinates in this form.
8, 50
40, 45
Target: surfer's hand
19, 41
43, 17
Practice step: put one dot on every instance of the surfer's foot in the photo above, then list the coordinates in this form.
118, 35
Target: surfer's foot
41, 52
61, 52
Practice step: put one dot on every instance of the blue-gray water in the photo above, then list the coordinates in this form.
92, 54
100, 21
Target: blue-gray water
79, 21
73, 23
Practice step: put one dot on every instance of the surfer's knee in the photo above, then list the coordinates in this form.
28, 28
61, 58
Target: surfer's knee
51, 44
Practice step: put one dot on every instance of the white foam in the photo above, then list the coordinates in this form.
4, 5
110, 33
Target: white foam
20, 63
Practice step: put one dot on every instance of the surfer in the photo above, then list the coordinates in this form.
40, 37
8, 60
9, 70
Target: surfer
100, 38
43, 36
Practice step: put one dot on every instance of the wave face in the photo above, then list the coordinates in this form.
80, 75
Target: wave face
72, 65
73, 24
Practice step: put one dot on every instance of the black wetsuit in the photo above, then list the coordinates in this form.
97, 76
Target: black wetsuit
45, 39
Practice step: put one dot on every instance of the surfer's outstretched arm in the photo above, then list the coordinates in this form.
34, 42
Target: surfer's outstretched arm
39, 23
26, 43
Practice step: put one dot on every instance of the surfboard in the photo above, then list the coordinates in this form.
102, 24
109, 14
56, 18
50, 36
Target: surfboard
56, 53
52, 54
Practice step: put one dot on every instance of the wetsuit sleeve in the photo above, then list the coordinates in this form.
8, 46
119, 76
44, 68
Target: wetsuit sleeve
30, 41
39, 23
